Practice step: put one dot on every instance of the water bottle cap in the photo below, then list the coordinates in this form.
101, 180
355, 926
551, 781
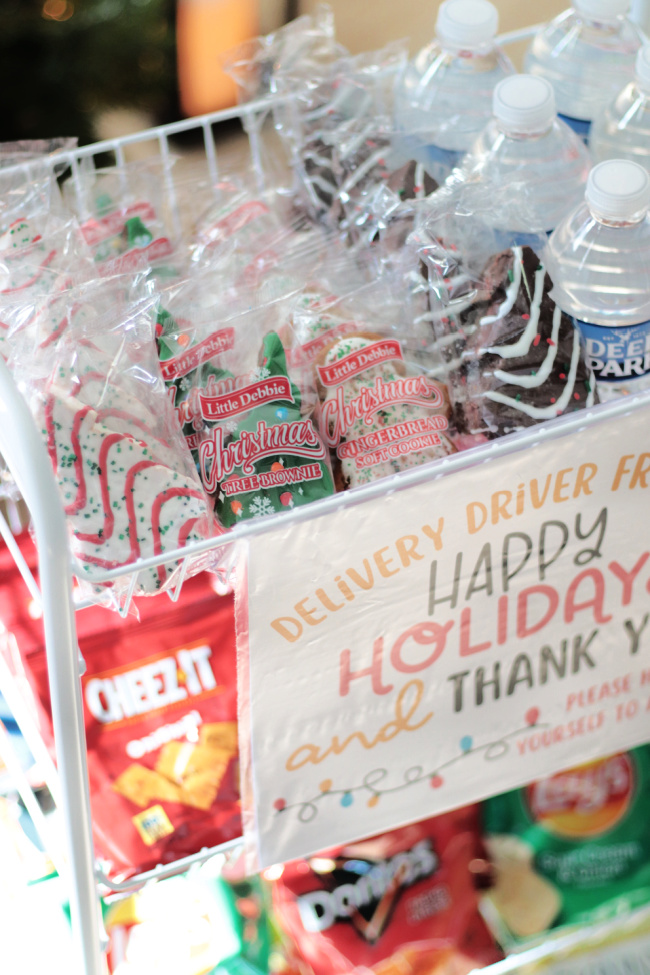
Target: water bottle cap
524, 103
618, 190
602, 9
467, 24
642, 67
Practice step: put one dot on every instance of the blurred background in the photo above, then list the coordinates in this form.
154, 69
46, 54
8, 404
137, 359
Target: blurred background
99, 69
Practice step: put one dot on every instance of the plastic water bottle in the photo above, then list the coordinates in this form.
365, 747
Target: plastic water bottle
587, 53
445, 97
599, 261
622, 129
533, 166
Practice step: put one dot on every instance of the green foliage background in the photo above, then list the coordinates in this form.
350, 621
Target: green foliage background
55, 76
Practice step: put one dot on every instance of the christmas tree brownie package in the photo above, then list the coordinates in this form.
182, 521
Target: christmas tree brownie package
571, 849
125, 476
512, 358
249, 426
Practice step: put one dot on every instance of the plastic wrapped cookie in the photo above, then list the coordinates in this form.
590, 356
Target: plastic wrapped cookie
380, 414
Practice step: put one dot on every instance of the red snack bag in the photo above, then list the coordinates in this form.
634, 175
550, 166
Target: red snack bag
403, 903
160, 713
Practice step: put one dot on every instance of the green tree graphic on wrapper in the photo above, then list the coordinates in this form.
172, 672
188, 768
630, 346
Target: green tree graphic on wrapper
236, 507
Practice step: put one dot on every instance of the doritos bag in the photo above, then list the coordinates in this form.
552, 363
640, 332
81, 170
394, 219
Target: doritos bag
403, 903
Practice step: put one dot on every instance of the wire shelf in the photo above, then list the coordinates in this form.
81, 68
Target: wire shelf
22, 449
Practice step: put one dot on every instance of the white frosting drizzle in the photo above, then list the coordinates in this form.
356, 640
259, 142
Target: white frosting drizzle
362, 170
522, 345
546, 412
311, 155
531, 380
511, 292
418, 181
322, 184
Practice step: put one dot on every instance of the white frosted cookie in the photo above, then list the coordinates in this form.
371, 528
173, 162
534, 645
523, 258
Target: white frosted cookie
121, 503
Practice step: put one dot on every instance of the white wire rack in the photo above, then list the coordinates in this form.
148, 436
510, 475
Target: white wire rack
25, 454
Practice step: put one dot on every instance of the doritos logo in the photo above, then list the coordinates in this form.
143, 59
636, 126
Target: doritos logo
363, 892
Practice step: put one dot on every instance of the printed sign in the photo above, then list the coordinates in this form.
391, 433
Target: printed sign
449, 641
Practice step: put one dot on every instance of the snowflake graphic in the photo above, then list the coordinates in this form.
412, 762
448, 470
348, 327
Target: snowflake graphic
300, 491
261, 372
229, 426
260, 506
185, 383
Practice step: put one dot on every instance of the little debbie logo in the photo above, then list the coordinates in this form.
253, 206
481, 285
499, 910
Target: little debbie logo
351, 365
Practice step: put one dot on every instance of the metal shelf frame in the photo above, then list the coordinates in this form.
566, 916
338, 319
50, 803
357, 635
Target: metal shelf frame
25, 454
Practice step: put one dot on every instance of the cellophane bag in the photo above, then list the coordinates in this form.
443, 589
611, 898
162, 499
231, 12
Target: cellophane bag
402, 903
267, 246
249, 426
303, 44
338, 130
40, 261
513, 358
381, 410
125, 216
126, 478
258, 67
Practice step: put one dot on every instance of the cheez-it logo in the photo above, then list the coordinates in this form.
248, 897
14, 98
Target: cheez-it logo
150, 684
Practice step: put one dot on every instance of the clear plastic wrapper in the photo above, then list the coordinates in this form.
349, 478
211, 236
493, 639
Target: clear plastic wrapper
304, 43
34, 150
381, 409
257, 67
40, 260
126, 479
249, 426
25, 195
338, 127
124, 217
266, 245
511, 357
333, 111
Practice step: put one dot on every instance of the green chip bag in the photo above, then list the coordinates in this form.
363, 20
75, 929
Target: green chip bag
570, 849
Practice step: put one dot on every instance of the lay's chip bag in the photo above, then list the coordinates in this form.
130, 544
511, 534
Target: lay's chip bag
570, 849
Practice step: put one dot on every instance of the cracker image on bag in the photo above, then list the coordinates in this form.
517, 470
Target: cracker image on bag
569, 849
141, 785
219, 734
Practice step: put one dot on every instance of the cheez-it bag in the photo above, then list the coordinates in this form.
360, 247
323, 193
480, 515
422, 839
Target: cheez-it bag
160, 710
160, 713
403, 903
